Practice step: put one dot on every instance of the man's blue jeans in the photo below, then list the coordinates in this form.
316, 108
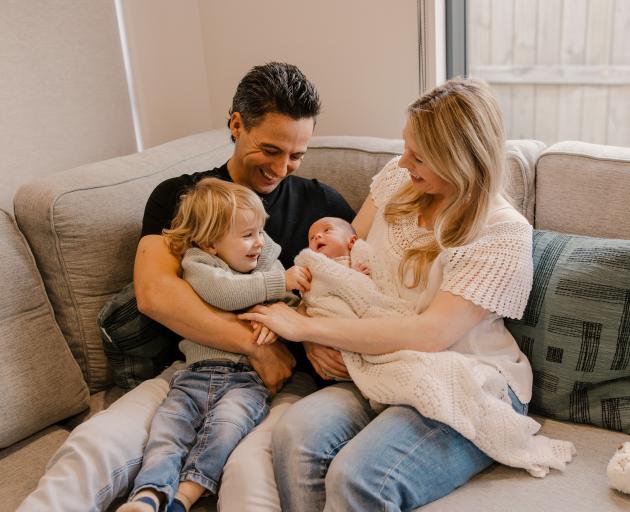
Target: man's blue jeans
210, 407
332, 452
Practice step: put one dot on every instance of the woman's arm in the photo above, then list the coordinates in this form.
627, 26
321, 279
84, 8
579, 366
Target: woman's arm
364, 219
447, 319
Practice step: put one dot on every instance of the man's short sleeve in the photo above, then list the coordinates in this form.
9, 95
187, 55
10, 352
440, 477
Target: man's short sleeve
162, 205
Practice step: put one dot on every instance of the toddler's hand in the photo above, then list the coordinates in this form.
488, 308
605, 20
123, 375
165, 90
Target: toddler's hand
363, 268
298, 278
265, 336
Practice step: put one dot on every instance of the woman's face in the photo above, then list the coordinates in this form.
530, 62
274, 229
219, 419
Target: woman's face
424, 179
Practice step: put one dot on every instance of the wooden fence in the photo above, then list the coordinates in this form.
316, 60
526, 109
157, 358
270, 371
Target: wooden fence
560, 68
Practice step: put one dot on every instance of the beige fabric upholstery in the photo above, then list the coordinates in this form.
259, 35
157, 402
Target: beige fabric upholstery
22, 465
582, 487
584, 189
84, 224
40, 380
350, 162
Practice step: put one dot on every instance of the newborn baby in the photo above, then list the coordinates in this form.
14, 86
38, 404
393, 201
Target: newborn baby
334, 237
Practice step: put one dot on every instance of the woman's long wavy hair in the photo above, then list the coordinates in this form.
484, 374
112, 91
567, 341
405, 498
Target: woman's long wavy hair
458, 128
207, 212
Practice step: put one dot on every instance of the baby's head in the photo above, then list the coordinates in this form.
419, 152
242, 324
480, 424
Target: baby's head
221, 218
331, 236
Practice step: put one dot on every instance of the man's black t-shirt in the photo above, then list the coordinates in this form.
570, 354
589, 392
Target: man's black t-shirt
292, 207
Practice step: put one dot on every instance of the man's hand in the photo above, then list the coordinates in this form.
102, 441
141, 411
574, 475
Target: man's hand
327, 361
273, 363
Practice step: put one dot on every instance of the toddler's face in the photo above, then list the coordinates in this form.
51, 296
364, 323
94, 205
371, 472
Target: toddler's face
329, 237
242, 246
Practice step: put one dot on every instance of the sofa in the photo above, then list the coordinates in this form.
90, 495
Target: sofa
69, 247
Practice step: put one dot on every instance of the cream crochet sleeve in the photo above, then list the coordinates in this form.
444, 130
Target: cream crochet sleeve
495, 271
387, 182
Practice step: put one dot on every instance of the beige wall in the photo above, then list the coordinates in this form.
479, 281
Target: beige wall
63, 94
361, 54
187, 58
168, 67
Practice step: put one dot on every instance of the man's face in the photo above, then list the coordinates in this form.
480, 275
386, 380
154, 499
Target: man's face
268, 152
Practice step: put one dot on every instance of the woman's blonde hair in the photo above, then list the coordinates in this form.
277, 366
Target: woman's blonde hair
207, 212
458, 128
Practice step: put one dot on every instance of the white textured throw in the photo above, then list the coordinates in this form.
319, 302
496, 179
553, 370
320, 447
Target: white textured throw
453, 388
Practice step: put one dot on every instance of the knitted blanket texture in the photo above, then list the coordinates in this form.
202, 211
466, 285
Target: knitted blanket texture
453, 388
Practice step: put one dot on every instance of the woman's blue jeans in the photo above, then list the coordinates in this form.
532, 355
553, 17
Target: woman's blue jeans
332, 452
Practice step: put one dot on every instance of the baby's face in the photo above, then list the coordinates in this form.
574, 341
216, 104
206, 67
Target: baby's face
329, 237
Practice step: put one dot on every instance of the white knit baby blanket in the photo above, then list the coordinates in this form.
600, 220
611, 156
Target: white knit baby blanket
449, 387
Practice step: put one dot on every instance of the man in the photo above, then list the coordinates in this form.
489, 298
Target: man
271, 121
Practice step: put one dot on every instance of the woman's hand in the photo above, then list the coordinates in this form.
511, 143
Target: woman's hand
279, 318
327, 361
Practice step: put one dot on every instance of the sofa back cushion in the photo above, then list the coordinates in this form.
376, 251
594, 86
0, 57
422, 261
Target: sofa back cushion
348, 163
41, 382
84, 224
576, 329
584, 189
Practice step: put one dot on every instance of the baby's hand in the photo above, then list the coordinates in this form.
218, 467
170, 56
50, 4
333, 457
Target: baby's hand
362, 267
263, 335
298, 278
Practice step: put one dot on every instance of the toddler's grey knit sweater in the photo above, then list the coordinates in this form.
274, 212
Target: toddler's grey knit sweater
224, 288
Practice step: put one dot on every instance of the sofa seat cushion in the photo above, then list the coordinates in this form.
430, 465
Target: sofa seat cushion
576, 329
23, 464
581, 487
41, 381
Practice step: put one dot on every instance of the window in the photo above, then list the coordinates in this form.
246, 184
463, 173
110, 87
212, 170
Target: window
560, 68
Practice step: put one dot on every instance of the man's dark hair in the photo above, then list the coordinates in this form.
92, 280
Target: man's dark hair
274, 87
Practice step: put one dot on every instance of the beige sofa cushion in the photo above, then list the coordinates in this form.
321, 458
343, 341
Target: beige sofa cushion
348, 164
582, 487
584, 189
43, 383
83, 226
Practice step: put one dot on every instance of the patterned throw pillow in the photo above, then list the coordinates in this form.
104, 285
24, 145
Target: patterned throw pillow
576, 329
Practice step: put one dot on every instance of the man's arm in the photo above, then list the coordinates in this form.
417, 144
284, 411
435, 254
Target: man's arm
164, 296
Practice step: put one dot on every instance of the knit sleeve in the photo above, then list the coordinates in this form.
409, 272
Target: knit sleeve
387, 182
495, 271
222, 288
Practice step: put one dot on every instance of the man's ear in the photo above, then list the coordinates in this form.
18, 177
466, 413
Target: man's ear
236, 124
352, 240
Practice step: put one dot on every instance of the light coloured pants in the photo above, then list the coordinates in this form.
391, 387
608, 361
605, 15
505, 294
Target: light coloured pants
101, 457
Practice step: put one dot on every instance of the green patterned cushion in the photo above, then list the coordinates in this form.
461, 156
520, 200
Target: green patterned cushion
576, 329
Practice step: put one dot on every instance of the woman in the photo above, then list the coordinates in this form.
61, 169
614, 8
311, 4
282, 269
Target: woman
461, 253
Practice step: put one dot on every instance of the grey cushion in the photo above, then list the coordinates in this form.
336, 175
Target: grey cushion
23, 464
348, 164
42, 383
576, 329
582, 487
584, 189
83, 226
